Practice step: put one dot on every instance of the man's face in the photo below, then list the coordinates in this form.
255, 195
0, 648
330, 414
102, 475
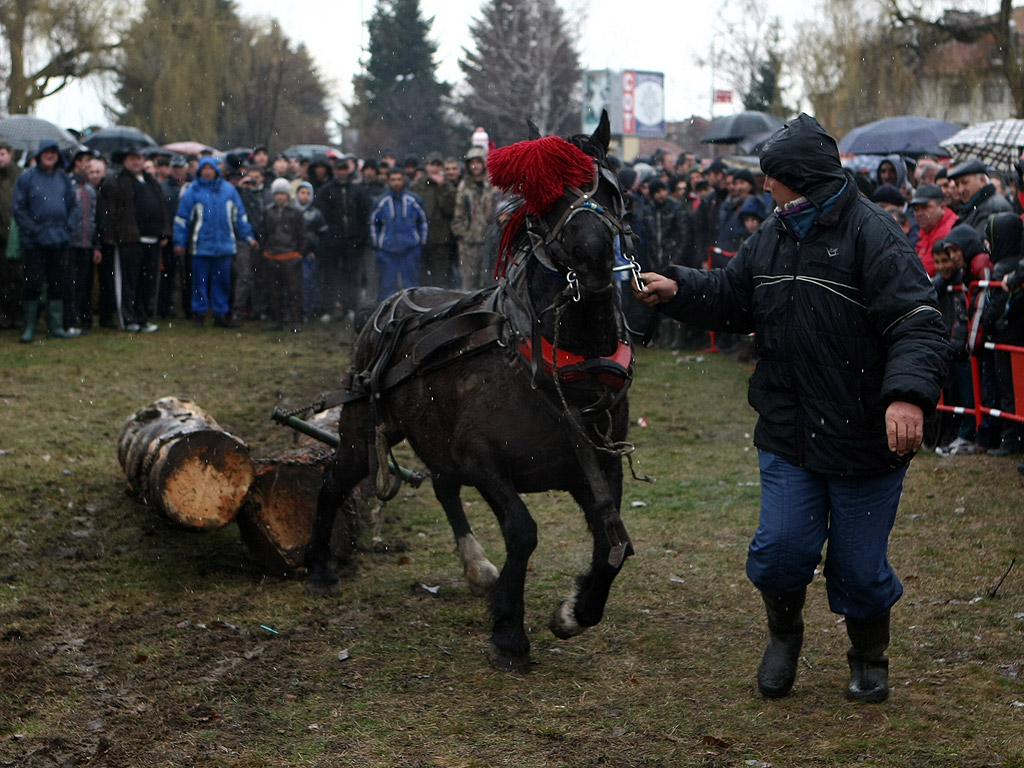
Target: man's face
133, 163
48, 159
927, 215
781, 194
660, 196
944, 264
436, 171
294, 166
97, 170
751, 223
5, 157
452, 171
281, 199
969, 185
208, 172
254, 177
396, 180
475, 167
281, 166
179, 173
259, 157
717, 179
887, 174
740, 188
342, 170
369, 175
320, 172
303, 195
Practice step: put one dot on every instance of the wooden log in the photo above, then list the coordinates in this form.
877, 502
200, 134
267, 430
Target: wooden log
276, 519
178, 460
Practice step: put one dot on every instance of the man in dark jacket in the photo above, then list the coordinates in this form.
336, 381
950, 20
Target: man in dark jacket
706, 215
851, 354
438, 196
340, 259
132, 215
978, 195
668, 228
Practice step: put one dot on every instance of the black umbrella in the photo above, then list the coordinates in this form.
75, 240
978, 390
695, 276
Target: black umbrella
904, 135
117, 139
732, 129
24, 132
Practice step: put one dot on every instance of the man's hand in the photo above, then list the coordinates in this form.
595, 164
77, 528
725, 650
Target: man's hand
657, 289
904, 426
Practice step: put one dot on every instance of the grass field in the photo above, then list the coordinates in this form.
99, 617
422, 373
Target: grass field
127, 642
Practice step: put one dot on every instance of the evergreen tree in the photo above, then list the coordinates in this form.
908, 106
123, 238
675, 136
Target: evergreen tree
399, 102
525, 67
765, 92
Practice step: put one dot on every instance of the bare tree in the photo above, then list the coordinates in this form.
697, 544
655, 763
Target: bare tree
50, 43
525, 66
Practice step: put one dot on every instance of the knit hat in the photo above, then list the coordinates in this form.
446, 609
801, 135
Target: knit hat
887, 193
281, 185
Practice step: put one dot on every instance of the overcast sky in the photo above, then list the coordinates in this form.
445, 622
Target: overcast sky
660, 35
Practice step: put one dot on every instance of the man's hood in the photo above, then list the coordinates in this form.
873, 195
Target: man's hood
203, 162
1004, 236
805, 158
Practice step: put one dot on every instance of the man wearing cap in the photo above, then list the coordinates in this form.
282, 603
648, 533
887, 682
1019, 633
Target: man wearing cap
978, 195
132, 216
474, 207
706, 215
83, 247
340, 273
934, 220
45, 207
438, 196
731, 231
851, 354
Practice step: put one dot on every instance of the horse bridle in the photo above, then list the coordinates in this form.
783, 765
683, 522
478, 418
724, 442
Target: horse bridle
546, 240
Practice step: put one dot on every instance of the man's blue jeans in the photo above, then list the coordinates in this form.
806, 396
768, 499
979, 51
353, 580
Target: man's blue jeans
801, 510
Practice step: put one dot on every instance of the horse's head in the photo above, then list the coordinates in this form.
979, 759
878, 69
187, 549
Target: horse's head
571, 210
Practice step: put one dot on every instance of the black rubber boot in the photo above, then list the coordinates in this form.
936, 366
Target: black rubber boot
30, 308
869, 667
777, 672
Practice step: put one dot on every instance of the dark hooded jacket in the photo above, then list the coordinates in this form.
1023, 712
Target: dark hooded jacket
845, 317
1003, 315
45, 205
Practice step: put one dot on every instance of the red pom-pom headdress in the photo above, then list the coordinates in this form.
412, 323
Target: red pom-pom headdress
537, 170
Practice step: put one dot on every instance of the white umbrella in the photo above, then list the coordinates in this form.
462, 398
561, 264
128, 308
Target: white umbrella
998, 143
24, 132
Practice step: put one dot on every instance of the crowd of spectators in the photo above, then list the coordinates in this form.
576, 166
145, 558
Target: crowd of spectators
148, 235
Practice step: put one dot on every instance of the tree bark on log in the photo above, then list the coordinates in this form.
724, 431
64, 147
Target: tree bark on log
178, 460
276, 519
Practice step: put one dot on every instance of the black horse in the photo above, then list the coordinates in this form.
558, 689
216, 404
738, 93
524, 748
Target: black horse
514, 389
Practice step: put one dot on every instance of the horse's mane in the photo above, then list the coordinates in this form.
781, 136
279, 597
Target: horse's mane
537, 171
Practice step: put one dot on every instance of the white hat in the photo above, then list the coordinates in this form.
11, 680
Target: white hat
281, 185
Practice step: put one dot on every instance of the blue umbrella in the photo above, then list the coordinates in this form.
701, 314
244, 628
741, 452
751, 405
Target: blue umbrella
903, 135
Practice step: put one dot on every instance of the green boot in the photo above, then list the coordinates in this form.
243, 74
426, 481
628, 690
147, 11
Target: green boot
869, 667
55, 320
30, 307
777, 672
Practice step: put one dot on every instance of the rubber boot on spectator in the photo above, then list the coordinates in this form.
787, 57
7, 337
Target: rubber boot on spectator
869, 667
55, 320
777, 672
30, 307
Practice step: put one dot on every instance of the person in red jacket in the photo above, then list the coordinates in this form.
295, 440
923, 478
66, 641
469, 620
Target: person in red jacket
934, 220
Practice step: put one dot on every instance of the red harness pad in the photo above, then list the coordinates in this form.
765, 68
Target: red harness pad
613, 371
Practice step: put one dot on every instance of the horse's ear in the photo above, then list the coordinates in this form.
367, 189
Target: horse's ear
603, 133
533, 132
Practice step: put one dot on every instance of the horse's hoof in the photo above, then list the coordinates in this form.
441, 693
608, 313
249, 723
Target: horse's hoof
481, 579
323, 582
505, 662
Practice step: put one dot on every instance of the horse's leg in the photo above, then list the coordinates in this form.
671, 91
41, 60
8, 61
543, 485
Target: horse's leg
510, 648
346, 468
599, 496
478, 570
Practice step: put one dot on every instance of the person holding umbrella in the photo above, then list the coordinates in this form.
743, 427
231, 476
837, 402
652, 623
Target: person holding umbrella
45, 206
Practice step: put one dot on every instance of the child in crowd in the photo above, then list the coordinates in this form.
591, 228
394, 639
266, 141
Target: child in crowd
316, 231
284, 243
959, 388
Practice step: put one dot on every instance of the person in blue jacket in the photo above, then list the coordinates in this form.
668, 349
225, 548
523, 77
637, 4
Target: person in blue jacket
45, 207
210, 217
398, 228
